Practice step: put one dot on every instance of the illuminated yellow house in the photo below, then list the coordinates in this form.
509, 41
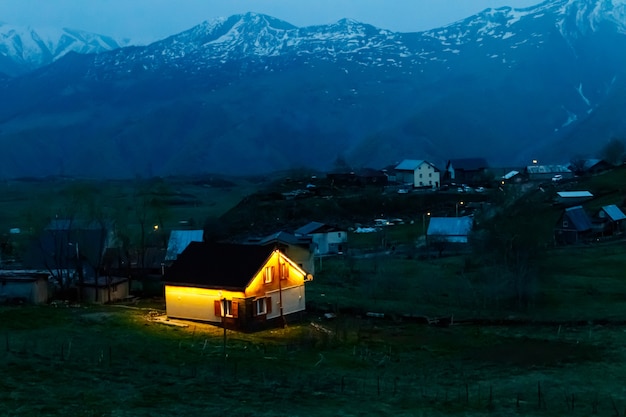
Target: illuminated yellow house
244, 287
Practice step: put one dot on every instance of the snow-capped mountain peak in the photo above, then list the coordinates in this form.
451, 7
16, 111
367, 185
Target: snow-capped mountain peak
27, 48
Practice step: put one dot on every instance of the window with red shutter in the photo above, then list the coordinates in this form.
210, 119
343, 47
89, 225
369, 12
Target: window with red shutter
217, 307
268, 304
234, 309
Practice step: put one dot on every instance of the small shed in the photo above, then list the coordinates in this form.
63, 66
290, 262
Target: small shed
449, 229
105, 290
571, 198
23, 286
511, 176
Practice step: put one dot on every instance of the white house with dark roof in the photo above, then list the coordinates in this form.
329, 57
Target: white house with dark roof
418, 173
326, 239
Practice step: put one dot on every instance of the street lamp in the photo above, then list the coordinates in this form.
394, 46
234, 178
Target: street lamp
456, 207
427, 214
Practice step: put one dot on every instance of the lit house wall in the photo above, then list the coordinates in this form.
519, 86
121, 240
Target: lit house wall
278, 279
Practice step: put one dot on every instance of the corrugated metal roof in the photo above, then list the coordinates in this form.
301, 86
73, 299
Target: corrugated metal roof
547, 169
574, 194
614, 213
510, 175
579, 218
453, 229
409, 164
179, 240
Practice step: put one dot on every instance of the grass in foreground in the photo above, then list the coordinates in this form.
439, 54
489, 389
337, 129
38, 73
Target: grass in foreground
109, 361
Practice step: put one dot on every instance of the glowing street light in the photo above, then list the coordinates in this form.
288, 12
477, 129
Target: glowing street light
456, 207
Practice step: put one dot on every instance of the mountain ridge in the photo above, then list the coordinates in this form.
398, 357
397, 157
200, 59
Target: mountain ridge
250, 94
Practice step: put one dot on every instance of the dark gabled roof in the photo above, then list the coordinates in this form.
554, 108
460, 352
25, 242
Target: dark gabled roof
286, 238
468, 164
579, 218
314, 227
218, 265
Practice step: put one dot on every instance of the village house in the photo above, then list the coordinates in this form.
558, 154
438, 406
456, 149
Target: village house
573, 226
326, 239
417, 173
466, 170
298, 248
72, 251
611, 220
590, 166
243, 287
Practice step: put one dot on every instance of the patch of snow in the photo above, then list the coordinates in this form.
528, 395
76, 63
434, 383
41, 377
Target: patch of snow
580, 92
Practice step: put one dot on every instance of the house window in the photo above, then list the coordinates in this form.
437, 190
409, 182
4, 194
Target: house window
260, 306
284, 272
565, 223
430, 175
226, 308
420, 175
269, 274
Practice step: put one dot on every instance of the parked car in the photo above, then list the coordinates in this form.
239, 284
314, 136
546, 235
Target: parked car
480, 189
557, 178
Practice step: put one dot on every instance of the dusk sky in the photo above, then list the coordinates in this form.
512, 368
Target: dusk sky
148, 20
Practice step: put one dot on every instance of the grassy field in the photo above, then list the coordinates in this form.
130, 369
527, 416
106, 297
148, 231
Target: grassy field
560, 354
110, 361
